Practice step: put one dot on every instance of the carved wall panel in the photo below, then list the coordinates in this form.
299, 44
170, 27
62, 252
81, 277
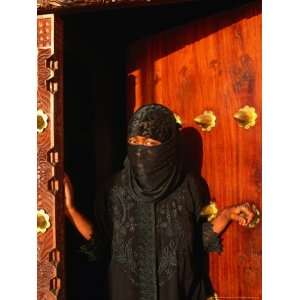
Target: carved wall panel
50, 168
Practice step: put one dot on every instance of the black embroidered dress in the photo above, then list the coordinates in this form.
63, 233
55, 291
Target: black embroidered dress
148, 226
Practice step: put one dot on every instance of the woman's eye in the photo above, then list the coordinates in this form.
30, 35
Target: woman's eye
149, 143
132, 141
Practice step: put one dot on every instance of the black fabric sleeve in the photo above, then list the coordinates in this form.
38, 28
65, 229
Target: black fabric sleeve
93, 248
211, 240
97, 248
200, 193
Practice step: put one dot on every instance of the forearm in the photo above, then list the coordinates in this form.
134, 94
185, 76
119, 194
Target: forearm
221, 221
83, 225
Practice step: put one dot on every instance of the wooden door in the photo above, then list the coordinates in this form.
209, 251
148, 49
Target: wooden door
213, 64
50, 214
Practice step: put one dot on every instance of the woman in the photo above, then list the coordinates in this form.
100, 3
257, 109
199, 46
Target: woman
148, 224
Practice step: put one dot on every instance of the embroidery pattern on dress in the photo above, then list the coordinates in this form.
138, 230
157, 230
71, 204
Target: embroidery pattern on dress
133, 241
124, 228
171, 232
168, 226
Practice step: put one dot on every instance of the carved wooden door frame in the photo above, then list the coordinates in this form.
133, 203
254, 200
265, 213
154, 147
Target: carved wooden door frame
50, 158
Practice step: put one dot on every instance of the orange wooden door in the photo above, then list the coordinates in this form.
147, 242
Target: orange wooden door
213, 64
50, 215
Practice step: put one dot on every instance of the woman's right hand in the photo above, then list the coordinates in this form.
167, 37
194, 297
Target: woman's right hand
83, 225
69, 194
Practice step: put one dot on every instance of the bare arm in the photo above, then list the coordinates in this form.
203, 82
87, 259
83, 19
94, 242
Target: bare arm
239, 213
83, 225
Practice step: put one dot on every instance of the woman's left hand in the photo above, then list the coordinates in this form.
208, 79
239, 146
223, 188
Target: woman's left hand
241, 213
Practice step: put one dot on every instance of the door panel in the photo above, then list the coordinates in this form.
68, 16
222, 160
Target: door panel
213, 64
50, 215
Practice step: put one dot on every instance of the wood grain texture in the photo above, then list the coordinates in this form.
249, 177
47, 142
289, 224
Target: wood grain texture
50, 267
213, 64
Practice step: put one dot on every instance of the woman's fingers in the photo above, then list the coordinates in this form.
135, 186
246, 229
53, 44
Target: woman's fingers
67, 181
247, 212
236, 217
67, 187
242, 214
68, 191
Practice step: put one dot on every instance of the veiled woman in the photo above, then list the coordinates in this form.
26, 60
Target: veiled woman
148, 227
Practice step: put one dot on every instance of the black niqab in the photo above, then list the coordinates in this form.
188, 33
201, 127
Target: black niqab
156, 171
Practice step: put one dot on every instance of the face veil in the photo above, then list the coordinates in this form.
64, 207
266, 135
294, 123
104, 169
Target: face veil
154, 172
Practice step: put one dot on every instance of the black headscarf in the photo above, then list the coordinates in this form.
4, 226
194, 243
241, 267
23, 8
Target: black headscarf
154, 172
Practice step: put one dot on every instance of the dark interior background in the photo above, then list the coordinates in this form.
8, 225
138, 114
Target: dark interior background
95, 109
